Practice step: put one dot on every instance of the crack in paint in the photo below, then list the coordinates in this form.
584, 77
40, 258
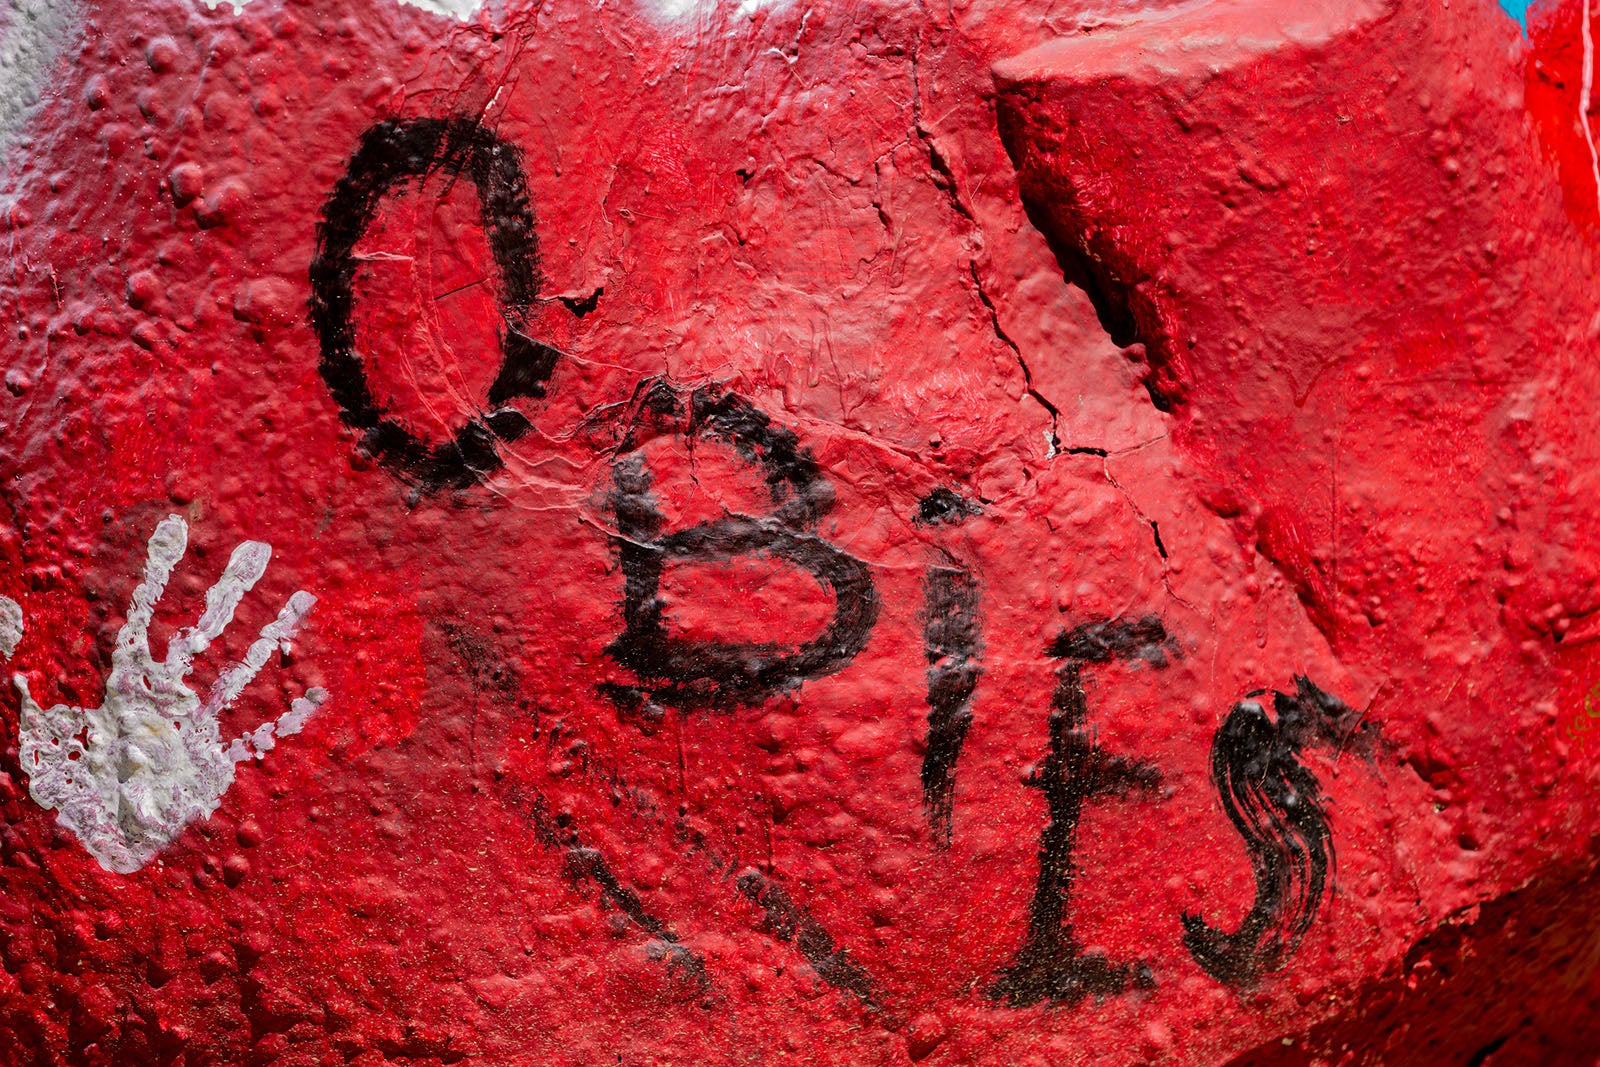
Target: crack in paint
1052, 437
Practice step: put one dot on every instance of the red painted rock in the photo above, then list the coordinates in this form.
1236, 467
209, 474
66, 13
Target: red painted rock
668, 532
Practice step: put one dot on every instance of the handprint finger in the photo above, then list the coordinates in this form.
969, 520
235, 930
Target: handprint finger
263, 738
167, 546
245, 567
231, 682
10, 626
294, 720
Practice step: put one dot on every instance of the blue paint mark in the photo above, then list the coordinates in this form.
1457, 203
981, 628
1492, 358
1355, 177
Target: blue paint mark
1517, 9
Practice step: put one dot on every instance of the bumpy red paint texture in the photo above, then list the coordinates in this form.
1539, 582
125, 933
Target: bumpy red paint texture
1332, 418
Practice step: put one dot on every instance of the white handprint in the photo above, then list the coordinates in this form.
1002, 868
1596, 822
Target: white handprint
128, 776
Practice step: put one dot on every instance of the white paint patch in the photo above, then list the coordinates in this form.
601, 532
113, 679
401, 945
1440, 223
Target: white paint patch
678, 10
128, 776
32, 33
456, 9
10, 626
462, 10
466, 10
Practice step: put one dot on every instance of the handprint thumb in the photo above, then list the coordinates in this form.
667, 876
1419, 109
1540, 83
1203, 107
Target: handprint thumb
21, 683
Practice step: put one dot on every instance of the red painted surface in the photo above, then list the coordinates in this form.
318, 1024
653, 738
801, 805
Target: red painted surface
1358, 267
1558, 107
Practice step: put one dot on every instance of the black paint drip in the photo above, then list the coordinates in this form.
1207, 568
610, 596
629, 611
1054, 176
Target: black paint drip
789, 922
1052, 964
954, 647
1276, 805
390, 154
586, 864
683, 673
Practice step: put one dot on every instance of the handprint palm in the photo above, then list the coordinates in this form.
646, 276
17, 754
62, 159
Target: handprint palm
128, 776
